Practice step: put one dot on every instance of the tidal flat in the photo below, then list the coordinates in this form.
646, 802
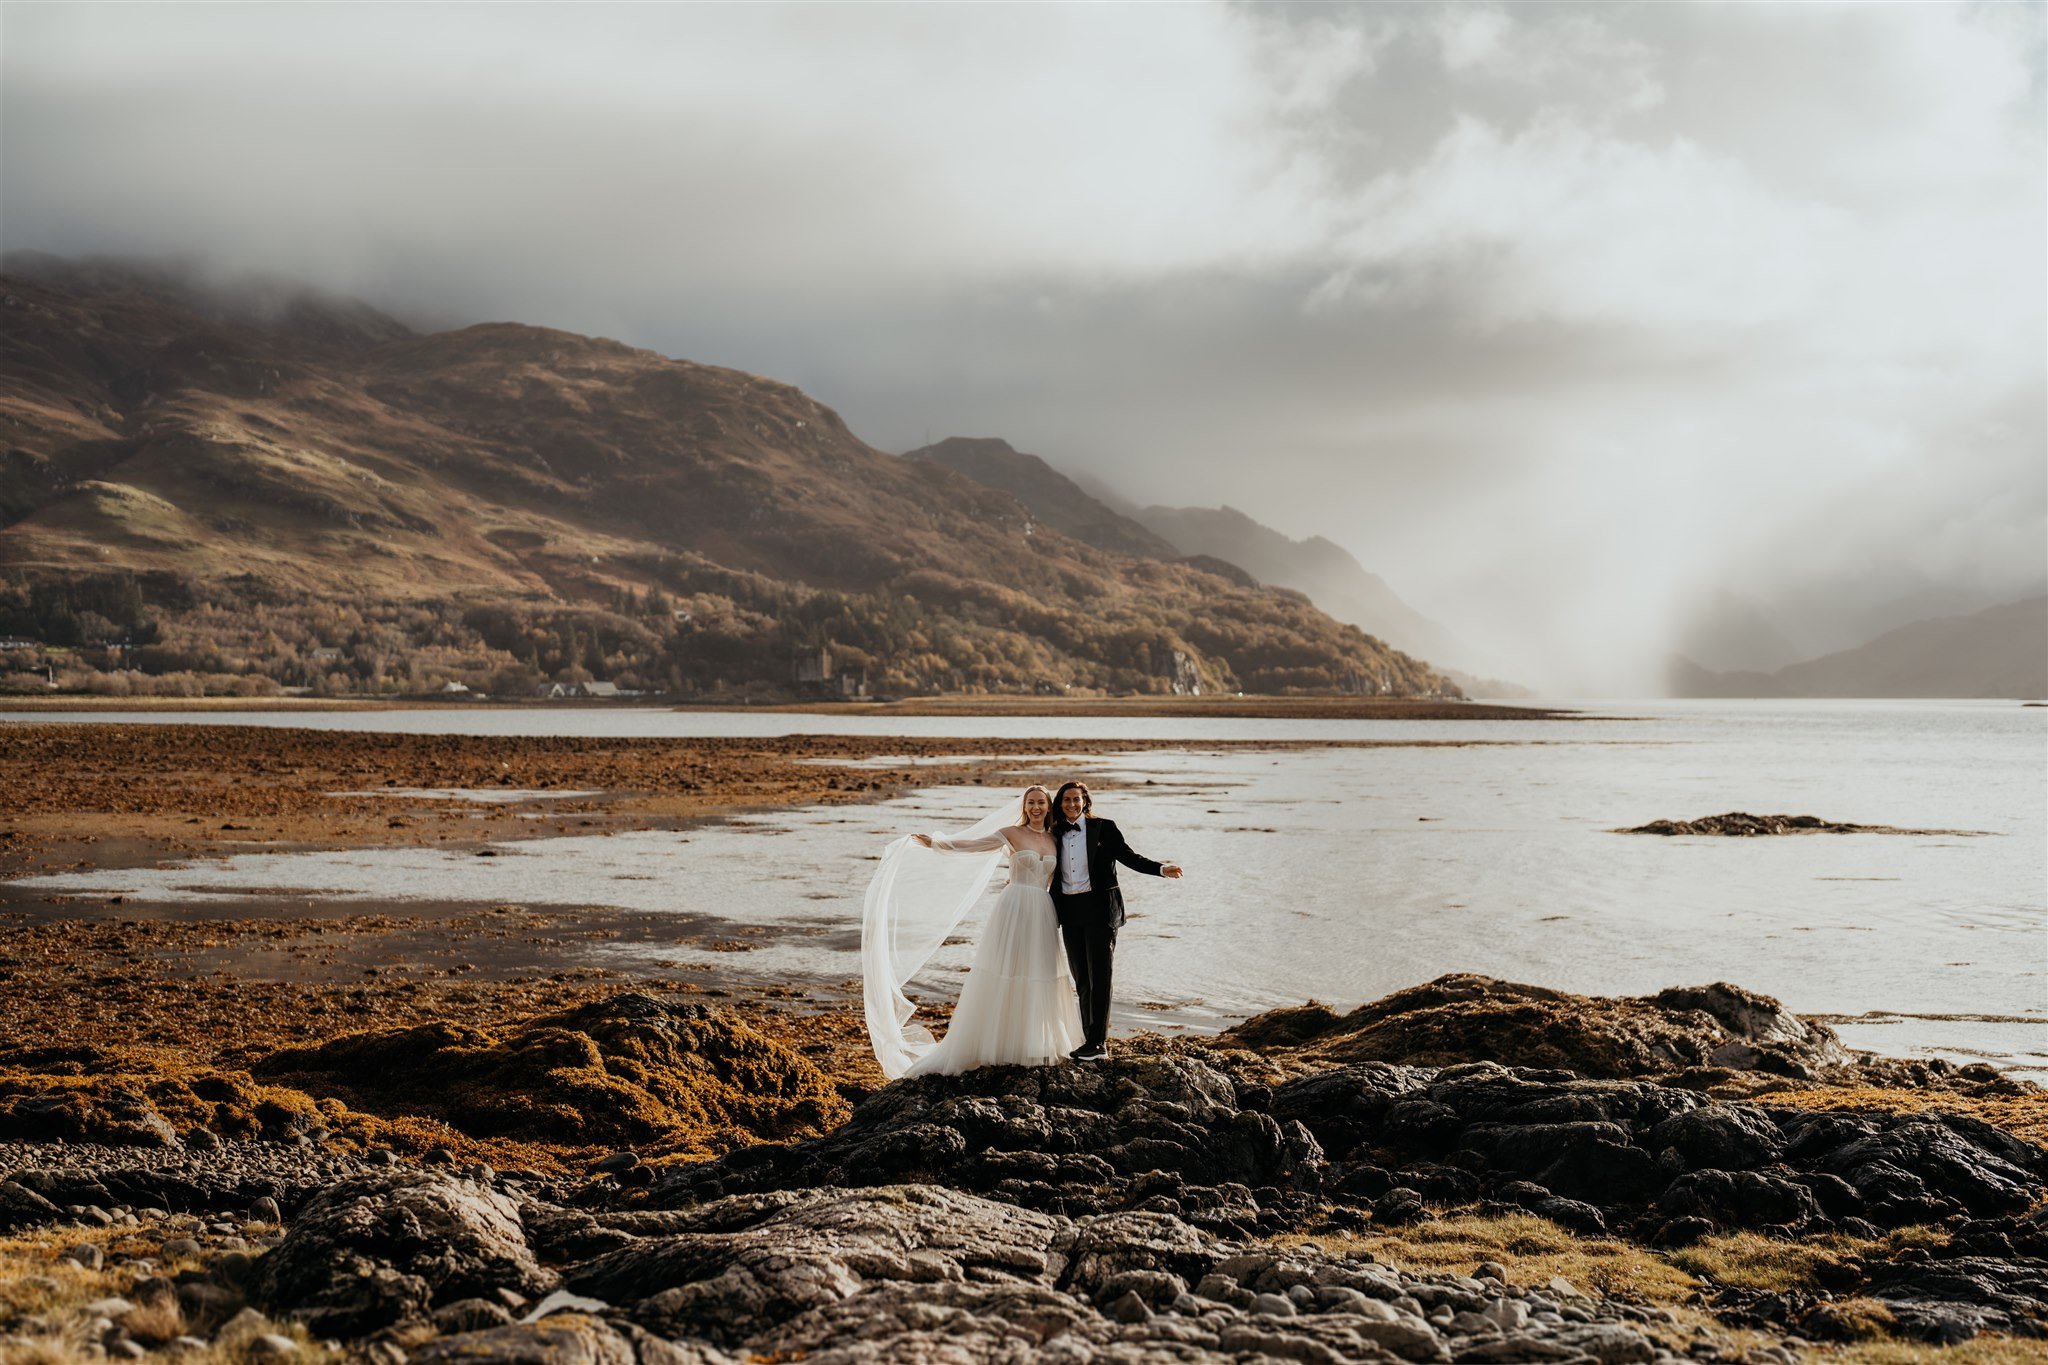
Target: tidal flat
305, 966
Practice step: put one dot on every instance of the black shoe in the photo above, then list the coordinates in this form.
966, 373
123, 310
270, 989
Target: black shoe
1094, 1052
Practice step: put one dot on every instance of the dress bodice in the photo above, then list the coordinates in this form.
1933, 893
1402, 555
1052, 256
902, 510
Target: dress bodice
1028, 867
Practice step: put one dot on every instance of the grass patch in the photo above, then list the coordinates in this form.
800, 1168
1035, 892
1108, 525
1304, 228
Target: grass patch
1746, 1260
1533, 1249
43, 1299
1983, 1350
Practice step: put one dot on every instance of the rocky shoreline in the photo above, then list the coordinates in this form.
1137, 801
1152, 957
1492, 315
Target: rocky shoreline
1591, 1181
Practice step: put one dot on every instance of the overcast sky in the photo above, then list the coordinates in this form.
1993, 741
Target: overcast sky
1567, 320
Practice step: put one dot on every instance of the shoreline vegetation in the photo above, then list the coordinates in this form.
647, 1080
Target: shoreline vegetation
992, 704
215, 1125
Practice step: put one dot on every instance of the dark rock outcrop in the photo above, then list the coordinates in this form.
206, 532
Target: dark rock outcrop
371, 1251
1161, 1131
1737, 824
1458, 1018
1634, 1151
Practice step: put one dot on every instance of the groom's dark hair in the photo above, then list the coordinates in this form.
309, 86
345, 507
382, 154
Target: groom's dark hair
1059, 800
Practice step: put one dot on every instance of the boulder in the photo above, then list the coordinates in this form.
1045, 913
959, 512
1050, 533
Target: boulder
369, 1251
22, 1207
565, 1339
745, 1264
1738, 1199
1721, 1137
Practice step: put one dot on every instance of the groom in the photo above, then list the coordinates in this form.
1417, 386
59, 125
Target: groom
1089, 906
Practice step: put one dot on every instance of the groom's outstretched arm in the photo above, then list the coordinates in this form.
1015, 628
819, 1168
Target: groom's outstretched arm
1131, 858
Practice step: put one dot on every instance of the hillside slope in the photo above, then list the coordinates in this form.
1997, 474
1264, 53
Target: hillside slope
1053, 498
276, 473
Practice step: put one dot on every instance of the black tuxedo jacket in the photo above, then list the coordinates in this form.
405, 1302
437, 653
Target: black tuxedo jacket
1106, 848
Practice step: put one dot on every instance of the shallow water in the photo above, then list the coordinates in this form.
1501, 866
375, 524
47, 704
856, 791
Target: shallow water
1343, 874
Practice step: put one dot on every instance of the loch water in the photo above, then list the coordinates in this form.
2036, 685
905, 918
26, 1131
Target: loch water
1343, 873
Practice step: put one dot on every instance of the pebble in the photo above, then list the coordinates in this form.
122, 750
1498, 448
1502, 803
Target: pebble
1274, 1305
271, 1344
87, 1255
181, 1246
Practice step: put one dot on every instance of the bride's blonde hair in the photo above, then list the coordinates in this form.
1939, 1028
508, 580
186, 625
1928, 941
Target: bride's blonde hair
1025, 800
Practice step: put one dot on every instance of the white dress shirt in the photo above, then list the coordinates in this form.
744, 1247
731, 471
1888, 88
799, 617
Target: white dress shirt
1074, 859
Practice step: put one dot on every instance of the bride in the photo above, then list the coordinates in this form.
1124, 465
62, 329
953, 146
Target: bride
1018, 1006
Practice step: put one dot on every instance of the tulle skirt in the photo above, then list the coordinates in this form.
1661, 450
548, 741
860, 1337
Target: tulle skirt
1017, 1007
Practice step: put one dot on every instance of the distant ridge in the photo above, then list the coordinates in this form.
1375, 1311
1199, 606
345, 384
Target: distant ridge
1052, 497
1333, 579
1999, 652
1222, 541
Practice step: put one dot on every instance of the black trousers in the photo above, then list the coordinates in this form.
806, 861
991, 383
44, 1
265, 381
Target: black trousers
1087, 929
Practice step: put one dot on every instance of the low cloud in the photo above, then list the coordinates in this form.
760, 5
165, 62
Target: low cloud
1569, 320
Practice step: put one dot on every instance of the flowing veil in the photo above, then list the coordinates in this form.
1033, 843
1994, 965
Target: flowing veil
918, 896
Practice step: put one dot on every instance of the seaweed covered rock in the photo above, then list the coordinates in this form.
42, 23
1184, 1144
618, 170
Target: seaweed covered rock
139, 1097
628, 1070
367, 1252
1740, 824
1467, 1018
1162, 1131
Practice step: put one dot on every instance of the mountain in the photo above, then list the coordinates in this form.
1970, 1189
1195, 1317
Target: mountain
1222, 540
1332, 578
1052, 497
240, 482
1999, 652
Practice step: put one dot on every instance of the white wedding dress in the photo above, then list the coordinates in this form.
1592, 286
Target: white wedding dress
1018, 1006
